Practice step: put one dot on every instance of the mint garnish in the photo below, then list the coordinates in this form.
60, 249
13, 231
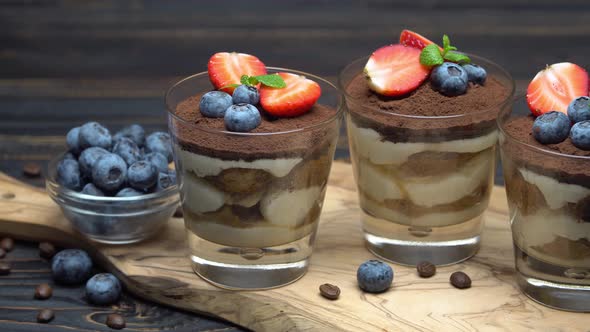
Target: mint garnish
432, 55
272, 80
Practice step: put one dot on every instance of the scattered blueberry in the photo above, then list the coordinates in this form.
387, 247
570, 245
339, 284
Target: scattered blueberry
475, 73
242, 118
579, 109
142, 175
128, 192
68, 174
160, 142
551, 128
166, 179
72, 140
71, 267
127, 149
245, 94
450, 79
90, 189
103, 289
134, 132
87, 159
109, 172
214, 103
157, 159
93, 134
580, 135
374, 276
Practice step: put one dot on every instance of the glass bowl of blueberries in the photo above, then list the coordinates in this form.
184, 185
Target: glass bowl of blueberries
115, 189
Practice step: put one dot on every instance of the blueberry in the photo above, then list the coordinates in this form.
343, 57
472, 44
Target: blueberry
90, 189
580, 135
72, 140
450, 79
68, 174
127, 149
579, 109
374, 276
245, 94
475, 73
551, 128
134, 132
142, 175
103, 289
109, 172
71, 267
159, 142
87, 159
166, 179
93, 134
242, 118
157, 159
69, 155
128, 192
214, 103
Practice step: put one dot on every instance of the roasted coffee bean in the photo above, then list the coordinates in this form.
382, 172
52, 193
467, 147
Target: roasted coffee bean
116, 321
2, 253
7, 244
46, 250
4, 268
178, 213
43, 292
330, 291
426, 269
32, 170
45, 316
460, 280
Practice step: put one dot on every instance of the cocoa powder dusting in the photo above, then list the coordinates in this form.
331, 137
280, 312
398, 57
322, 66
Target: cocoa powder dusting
234, 147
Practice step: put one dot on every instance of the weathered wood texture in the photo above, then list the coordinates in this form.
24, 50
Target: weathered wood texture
159, 270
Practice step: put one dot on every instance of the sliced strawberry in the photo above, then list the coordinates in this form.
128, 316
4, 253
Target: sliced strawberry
554, 87
413, 39
395, 70
227, 68
295, 99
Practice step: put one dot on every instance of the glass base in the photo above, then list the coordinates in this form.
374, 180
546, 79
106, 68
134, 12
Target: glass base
558, 287
239, 268
409, 245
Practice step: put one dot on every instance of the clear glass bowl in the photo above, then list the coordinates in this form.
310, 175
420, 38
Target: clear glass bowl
113, 220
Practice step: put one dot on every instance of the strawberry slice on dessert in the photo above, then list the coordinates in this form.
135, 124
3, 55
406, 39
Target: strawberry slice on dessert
395, 70
295, 99
413, 39
554, 87
227, 68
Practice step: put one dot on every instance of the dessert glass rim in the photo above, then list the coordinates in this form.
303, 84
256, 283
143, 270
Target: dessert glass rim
478, 59
58, 189
503, 118
339, 107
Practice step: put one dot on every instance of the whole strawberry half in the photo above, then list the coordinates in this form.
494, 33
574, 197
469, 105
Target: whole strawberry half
295, 99
554, 87
413, 39
227, 68
395, 70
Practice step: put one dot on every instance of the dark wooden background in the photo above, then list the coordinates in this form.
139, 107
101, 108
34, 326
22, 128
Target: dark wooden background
66, 62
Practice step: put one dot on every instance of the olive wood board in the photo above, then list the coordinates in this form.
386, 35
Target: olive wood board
159, 270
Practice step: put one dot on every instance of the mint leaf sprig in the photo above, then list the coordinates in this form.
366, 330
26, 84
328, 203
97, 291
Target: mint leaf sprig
432, 55
270, 80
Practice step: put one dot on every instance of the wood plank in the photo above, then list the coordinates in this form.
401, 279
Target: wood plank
159, 270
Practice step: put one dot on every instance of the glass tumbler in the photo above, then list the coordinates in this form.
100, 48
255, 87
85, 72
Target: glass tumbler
549, 203
252, 201
423, 181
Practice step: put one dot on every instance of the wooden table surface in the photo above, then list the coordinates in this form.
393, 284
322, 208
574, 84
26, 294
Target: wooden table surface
64, 62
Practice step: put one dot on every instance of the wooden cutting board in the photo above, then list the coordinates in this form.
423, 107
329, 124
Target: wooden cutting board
159, 270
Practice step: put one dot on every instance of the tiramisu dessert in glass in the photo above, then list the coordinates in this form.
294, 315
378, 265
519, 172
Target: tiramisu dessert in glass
422, 131
253, 148
546, 160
